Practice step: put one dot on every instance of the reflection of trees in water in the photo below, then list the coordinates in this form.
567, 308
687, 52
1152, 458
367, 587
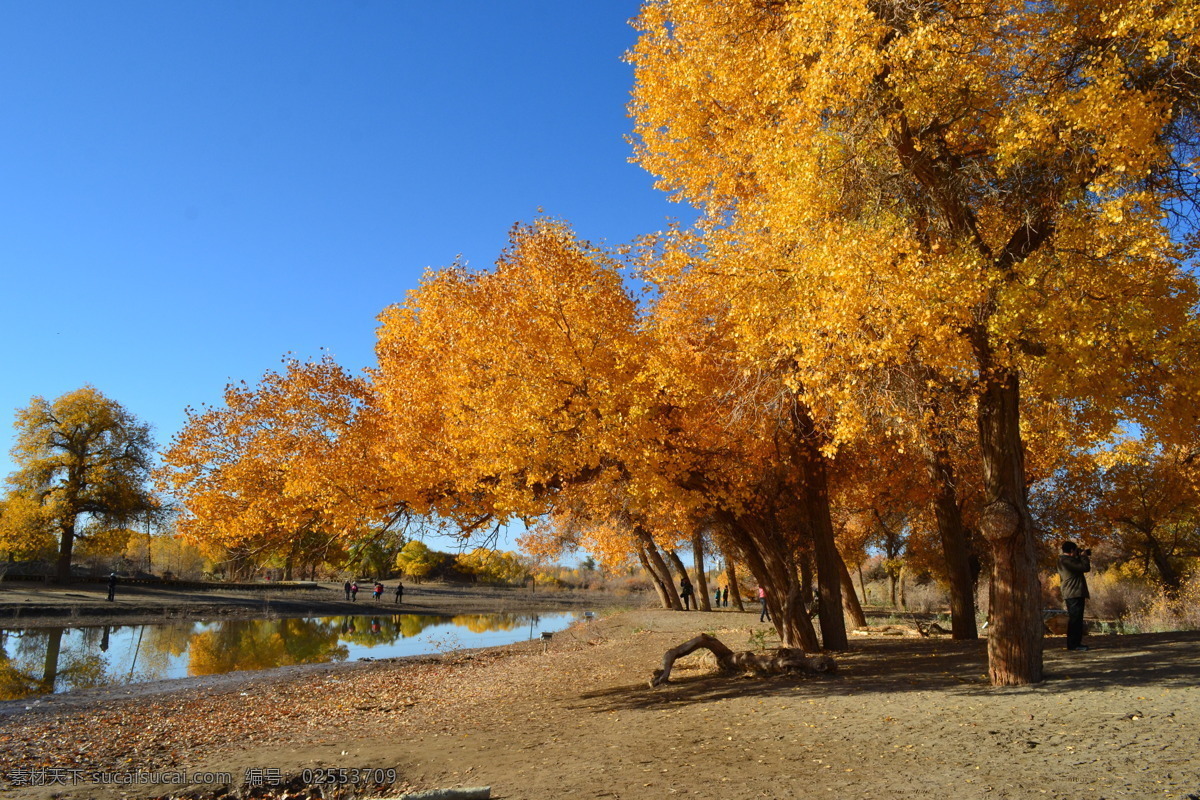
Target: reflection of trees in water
41, 663
482, 623
263, 644
410, 625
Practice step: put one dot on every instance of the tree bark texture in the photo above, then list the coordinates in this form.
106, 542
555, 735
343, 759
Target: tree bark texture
698, 568
766, 662
1015, 635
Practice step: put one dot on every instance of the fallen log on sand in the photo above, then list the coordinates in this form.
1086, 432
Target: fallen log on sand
761, 662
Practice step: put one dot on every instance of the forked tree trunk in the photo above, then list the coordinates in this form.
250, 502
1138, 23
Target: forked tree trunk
698, 567
766, 662
772, 562
731, 581
658, 567
954, 538
852, 607
655, 581
1015, 635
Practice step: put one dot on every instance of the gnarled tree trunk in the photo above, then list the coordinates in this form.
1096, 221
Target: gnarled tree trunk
1015, 635
765, 662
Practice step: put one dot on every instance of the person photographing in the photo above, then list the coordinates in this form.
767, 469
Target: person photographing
1072, 565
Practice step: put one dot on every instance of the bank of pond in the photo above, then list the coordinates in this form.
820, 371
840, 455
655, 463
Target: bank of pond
47, 660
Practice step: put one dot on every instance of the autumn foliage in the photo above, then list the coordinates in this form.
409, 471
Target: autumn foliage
943, 256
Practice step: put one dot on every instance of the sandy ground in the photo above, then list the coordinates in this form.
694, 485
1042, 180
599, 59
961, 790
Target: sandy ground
903, 718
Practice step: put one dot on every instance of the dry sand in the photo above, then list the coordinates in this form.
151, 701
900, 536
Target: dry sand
903, 718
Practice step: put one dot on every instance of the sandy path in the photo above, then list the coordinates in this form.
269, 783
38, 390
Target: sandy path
903, 718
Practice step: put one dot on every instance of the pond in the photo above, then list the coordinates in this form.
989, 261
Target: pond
55, 659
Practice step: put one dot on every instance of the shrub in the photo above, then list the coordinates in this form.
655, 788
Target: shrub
1162, 612
1115, 595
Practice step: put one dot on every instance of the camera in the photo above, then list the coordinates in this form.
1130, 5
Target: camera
1087, 552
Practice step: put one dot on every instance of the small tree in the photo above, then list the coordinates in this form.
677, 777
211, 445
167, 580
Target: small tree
82, 458
416, 560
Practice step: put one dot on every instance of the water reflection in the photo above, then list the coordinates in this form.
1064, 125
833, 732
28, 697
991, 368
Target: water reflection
45, 660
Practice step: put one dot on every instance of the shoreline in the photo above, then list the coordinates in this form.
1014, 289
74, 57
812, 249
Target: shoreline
24, 606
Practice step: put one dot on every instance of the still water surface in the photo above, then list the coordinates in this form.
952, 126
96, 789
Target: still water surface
44, 660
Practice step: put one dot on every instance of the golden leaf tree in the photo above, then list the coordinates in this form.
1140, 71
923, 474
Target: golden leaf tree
284, 469
982, 188
81, 459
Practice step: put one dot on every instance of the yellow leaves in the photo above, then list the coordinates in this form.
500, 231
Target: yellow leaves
282, 460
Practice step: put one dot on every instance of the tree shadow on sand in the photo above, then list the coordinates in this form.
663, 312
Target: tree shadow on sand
1162, 660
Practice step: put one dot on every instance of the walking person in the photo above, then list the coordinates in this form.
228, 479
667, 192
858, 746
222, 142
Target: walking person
378, 593
725, 597
765, 615
717, 596
346, 589
399, 592
354, 592
112, 586
685, 593
1072, 565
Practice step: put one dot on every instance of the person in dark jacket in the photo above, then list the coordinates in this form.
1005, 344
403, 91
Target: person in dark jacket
1072, 565
112, 586
685, 593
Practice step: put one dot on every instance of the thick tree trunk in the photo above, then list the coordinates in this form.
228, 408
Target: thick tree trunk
772, 561
769, 662
852, 607
954, 539
815, 496
806, 575
698, 567
658, 568
66, 545
731, 581
1015, 635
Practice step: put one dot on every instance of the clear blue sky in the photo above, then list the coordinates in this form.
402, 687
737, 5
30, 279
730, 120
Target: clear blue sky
189, 190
